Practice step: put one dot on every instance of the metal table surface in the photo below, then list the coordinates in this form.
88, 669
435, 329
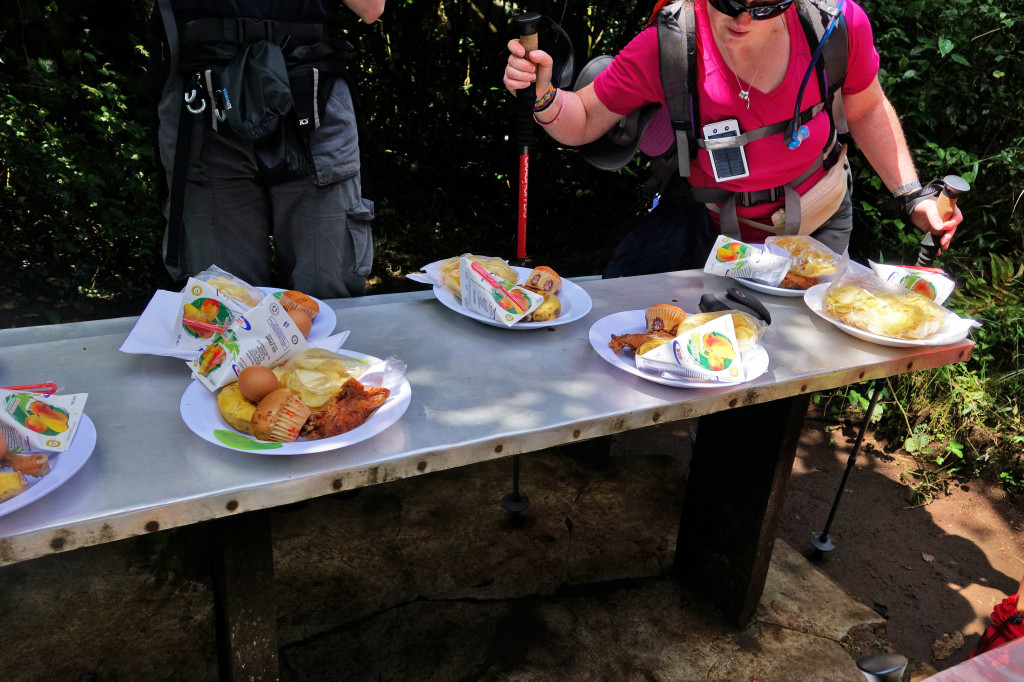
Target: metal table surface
478, 393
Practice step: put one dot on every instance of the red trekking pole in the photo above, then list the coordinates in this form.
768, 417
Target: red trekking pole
528, 24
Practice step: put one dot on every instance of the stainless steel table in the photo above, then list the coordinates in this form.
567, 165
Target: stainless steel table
479, 393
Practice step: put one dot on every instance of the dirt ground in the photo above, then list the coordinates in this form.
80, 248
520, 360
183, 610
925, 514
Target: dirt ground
934, 571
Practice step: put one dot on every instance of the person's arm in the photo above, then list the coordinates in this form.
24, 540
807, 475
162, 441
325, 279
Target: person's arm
876, 130
367, 10
1020, 595
573, 118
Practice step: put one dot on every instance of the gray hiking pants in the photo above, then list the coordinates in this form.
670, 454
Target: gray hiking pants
317, 227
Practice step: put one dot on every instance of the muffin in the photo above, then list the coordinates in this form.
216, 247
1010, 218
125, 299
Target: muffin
544, 278
664, 318
296, 300
279, 416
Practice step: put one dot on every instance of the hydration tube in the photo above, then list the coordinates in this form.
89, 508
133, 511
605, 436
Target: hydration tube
796, 133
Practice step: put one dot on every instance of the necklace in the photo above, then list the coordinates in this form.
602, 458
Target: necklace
745, 92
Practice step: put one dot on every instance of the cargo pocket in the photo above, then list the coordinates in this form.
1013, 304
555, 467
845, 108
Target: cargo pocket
358, 219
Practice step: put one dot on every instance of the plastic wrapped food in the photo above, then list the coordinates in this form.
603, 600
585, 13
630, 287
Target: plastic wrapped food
316, 374
231, 286
495, 266
810, 258
897, 314
748, 329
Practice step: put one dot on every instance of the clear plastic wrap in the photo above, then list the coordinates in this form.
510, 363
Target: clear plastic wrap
859, 298
231, 286
748, 328
809, 257
316, 374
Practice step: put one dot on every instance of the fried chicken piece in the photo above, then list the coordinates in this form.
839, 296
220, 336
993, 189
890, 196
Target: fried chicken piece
35, 465
795, 281
347, 409
634, 341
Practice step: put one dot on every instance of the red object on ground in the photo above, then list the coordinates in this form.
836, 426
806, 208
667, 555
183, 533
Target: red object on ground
1007, 625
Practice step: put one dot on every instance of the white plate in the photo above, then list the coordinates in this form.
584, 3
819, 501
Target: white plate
954, 328
155, 327
634, 322
575, 302
201, 414
765, 289
63, 465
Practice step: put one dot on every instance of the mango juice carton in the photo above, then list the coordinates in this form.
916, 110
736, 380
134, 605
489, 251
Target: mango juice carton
934, 286
203, 311
40, 422
486, 295
731, 258
265, 335
708, 352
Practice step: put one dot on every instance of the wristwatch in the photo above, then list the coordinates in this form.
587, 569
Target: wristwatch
907, 188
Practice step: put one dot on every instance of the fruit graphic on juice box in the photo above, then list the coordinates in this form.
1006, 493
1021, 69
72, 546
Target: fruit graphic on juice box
730, 252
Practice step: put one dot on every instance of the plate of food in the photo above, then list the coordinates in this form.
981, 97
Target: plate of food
383, 396
24, 478
952, 329
154, 332
632, 324
811, 263
573, 300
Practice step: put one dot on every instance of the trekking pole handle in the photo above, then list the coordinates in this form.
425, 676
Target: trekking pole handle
528, 24
953, 186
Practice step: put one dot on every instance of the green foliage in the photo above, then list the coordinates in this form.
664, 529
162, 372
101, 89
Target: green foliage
77, 207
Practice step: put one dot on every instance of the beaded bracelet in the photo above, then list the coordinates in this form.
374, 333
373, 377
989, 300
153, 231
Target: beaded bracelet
561, 108
545, 100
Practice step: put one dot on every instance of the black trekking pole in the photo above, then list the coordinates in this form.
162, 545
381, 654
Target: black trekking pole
821, 541
528, 24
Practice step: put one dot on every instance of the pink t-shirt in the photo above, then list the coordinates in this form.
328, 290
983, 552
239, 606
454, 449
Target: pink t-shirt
632, 80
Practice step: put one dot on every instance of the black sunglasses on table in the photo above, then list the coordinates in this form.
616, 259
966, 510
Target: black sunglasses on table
732, 8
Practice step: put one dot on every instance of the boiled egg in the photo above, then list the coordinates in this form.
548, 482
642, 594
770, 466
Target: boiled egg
256, 381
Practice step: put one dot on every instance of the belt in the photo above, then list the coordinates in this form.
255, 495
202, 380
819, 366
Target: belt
243, 31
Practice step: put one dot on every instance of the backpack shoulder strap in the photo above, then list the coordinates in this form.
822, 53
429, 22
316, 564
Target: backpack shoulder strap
815, 16
677, 48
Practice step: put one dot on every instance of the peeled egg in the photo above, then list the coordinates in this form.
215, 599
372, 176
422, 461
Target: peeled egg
256, 381
301, 321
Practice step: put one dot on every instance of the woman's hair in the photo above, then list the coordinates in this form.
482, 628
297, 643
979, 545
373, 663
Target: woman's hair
658, 6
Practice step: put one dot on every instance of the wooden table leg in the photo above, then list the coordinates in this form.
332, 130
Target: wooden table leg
245, 612
742, 460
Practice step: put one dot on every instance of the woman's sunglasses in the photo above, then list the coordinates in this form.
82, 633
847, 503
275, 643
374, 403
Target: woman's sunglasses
733, 9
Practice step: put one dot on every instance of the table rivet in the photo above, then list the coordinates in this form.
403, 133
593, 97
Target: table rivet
961, 355
57, 543
152, 527
910, 365
232, 505
497, 448
656, 417
576, 433
422, 466
803, 389
732, 403
336, 484
861, 375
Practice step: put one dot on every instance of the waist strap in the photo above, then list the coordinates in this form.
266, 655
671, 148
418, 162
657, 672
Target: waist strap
243, 31
679, 188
